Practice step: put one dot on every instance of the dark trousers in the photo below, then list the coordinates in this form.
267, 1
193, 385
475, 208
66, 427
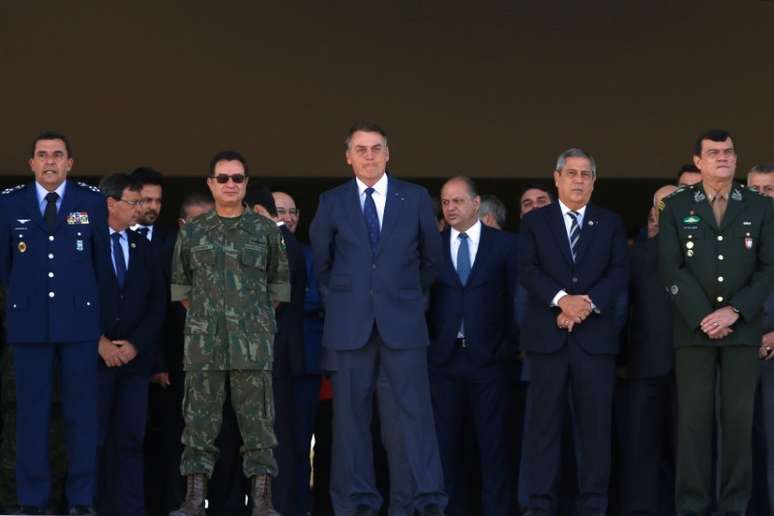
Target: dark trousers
762, 499
122, 406
306, 398
695, 369
646, 437
461, 392
321, 472
588, 380
409, 423
34, 364
164, 486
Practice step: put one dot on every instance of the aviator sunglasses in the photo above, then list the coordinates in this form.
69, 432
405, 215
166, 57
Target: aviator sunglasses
223, 178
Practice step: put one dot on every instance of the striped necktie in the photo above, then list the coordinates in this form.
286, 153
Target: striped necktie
574, 233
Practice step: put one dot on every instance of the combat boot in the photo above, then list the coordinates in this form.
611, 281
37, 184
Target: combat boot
195, 493
261, 494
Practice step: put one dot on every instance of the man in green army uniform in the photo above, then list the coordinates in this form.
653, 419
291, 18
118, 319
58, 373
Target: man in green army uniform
229, 270
717, 261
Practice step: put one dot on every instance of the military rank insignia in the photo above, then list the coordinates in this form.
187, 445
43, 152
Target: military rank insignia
79, 245
78, 217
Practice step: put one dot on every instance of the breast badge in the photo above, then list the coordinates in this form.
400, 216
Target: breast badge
22, 247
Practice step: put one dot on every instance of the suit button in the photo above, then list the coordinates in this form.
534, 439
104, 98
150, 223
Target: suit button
50, 256
373, 266
720, 279
720, 238
50, 238
50, 274
720, 299
51, 294
370, 292
720, 257
575, 280
88, 303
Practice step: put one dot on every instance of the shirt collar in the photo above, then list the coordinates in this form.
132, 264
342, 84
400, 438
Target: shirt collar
565, 210
379, 187
42, 192
711, 193
122, 232
473, 232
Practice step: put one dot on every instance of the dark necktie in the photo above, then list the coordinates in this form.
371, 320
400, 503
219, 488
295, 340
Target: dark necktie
372, 219
574, 233
118, 258
463, 259
143, 231
49, 215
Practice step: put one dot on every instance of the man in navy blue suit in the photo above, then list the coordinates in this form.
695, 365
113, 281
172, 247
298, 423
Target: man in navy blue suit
472, 329
573, 266
132, 312
48, 231
377, 251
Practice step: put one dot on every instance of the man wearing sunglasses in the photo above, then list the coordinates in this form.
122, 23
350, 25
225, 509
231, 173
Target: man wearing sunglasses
229, 270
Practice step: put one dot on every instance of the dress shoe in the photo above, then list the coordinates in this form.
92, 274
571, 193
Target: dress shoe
596, 513
535, 513
364, 510
687, 513
82, 509
432, 510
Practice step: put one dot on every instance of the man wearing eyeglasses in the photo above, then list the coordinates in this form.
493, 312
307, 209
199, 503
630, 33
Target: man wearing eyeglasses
230, 270
48, 268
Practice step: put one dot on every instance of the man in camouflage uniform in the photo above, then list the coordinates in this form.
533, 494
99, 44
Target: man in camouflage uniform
229, 268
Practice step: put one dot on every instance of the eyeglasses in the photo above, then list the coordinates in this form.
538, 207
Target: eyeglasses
223, 178
137, 202
289, 211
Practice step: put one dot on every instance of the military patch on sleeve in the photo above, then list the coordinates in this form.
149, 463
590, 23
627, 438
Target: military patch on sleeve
13, 189
661, 205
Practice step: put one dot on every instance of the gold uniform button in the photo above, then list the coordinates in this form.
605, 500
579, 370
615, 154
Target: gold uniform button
51, 238
720, 279
720, 299
51, 294
720, 257
50, 274
720, 238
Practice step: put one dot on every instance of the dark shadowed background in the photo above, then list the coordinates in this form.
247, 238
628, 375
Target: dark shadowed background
493, 89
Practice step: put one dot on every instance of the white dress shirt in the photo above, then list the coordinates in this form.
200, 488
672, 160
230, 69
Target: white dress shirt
379, 196
474, 237
149, 236
568, 227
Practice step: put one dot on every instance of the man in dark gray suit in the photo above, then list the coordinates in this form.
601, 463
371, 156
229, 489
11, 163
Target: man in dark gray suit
377, 250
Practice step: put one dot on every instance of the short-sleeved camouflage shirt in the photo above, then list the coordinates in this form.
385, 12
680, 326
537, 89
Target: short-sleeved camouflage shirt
231, 271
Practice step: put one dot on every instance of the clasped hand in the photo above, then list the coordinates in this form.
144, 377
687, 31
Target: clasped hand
116, 353
575, 309
717, 325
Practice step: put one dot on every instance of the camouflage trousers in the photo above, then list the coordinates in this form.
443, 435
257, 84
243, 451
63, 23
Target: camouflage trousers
253, 402
8, 438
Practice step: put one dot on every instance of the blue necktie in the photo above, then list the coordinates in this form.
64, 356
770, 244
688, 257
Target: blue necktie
574, 233
372, 219
463, 267
463, 259
118, 258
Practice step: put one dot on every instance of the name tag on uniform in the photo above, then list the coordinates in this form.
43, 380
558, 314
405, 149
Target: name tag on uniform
78, 217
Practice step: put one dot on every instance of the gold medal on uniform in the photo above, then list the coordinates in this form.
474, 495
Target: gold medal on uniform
748, 243
22, 247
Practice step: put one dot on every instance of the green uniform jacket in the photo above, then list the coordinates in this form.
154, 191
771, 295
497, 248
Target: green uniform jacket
231, 273
705, 267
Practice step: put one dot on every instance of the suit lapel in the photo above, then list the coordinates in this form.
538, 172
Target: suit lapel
392, 210
587, 233
447, 259
734, 207
559, 230
354, 212
34, 207
482, 253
